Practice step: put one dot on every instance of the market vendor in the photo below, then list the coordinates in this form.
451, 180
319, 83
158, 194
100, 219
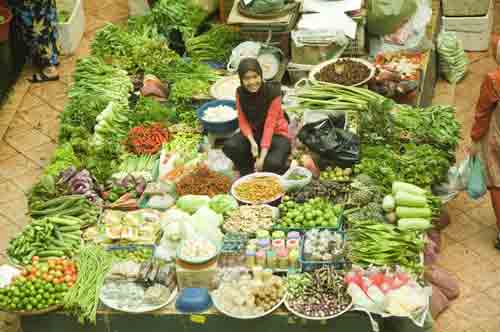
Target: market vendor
485, 136
263, 142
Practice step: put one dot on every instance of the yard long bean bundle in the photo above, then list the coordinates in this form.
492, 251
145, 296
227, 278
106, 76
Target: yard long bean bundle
374, 243
82, 299
336, 97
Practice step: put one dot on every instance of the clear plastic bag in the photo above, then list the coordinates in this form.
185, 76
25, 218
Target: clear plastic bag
218, 162
291, 184
206, 224
192, 203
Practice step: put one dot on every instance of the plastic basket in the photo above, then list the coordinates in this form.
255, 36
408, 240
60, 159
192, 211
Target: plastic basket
309, 265
340, 226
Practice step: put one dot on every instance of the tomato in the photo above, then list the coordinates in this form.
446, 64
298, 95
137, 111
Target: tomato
33, 270
56, 281
35, 258
58, 274
68, 278
70, 284
51, 263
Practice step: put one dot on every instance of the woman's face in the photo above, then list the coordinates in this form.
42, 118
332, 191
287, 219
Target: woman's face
252, 81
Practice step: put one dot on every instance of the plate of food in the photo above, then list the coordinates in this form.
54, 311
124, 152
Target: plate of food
344, 71
131, 297
258, 188
250, 297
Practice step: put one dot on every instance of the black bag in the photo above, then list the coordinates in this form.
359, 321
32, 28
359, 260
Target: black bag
330, 142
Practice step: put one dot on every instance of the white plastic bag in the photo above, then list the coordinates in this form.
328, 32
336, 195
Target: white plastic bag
458, 176
206, 224
218, 162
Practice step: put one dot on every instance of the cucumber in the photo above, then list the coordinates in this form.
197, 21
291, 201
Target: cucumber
47, 253
60, 221
68, 229
71, 237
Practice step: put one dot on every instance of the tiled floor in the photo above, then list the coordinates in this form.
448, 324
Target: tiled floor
28, 133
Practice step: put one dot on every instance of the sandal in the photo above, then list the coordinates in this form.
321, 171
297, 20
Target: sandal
41, 77
497, 244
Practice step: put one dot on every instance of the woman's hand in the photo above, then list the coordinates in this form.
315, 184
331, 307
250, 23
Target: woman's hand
254, 147
259, 164
474, 149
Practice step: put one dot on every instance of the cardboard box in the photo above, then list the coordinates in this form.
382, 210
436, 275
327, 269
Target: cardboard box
474, 32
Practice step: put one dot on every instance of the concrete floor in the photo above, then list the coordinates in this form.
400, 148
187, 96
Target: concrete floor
28, 133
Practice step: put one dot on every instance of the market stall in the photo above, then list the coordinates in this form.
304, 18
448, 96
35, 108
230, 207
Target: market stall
141, 221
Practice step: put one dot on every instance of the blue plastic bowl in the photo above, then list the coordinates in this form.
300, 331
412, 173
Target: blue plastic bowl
192, 300
217, 127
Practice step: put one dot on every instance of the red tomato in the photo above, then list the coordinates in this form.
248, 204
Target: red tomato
35, 258
50, 278
56, 281
51, 263
33, 270
38, 274
68, 278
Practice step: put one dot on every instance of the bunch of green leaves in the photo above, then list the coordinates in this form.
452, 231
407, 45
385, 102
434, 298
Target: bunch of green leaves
215, 44
96, 84
423, 165
44, 190
185, 89
132, 51
187, 115
435, 125
63, 158
377, 123
183, 69
149, 110
380, 162
183, 16
373, 243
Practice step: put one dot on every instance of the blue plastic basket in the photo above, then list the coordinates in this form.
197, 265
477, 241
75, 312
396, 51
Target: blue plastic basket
309, 265
217, 127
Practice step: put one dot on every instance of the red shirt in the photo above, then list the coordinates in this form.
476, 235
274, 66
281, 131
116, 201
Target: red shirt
489, 96
275, 124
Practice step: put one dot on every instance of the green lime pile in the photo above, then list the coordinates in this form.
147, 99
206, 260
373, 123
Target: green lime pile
29, 295
316, 212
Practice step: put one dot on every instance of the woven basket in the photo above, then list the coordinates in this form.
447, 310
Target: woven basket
36, 312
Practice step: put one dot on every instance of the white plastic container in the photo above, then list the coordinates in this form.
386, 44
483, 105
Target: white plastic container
71, 32
474, 32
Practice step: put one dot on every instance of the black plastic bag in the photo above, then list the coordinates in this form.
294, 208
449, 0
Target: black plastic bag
332, 143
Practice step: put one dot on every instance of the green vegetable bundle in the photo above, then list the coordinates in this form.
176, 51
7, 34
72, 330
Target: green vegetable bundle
82, 299
96, 84
453, 61
216, 44
71, 205
373, 243
48, 237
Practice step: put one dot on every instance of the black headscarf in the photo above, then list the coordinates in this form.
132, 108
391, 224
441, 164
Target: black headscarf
256, 105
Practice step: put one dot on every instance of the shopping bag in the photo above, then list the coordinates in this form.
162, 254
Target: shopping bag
476, 186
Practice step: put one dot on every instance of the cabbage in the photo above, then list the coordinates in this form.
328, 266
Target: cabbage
192, 203
222, 204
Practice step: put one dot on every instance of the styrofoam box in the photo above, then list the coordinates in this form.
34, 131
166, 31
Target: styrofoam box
474, 32
71, 32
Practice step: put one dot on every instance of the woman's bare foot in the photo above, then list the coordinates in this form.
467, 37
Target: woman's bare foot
47, 74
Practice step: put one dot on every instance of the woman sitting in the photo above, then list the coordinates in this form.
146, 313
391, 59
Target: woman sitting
261, 120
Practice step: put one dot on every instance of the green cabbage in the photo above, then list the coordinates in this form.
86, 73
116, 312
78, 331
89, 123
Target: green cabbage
222, 204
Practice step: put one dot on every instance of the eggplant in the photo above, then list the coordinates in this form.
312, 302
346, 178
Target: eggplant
66, 175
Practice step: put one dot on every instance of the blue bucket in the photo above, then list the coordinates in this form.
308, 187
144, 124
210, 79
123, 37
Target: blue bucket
217, 127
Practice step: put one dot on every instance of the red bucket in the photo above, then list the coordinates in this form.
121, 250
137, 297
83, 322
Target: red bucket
5, 25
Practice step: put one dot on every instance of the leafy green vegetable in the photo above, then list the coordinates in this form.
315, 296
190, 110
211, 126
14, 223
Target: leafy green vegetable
377, 123
185, 89
96, 84
63, 158
222, 204
149, 110
216, 44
